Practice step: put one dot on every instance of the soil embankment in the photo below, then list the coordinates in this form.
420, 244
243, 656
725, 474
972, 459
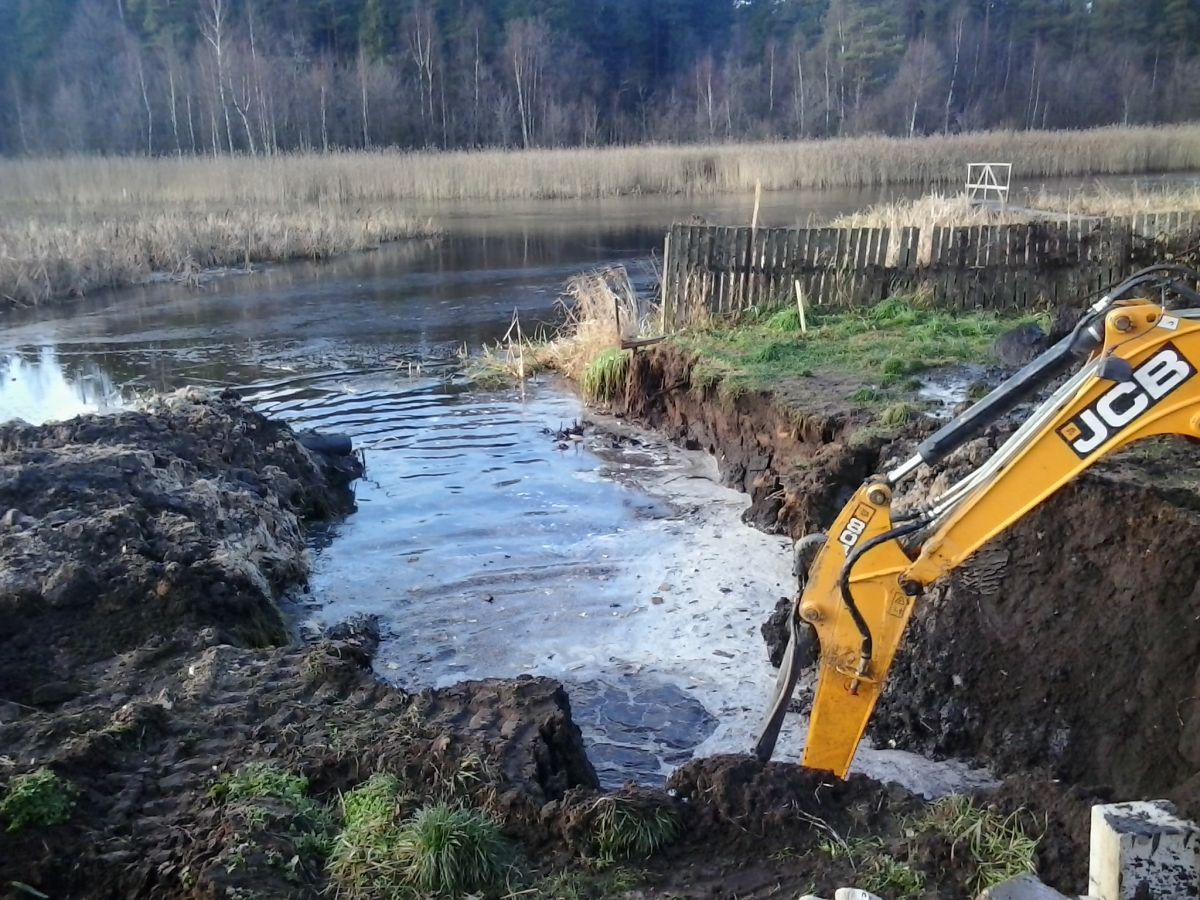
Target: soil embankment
1070, 646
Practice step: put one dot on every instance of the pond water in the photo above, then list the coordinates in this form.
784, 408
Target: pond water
487, 548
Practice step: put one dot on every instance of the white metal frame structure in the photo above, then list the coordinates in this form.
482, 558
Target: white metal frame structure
987, 181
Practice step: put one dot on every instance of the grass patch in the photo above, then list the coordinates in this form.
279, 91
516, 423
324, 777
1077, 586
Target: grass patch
442, 849
261, 780
571, 885
985, 848
876, 870
604, 377
621, 831
451, 850
995, 847
41, 797
866, 394
886, 344
898, 414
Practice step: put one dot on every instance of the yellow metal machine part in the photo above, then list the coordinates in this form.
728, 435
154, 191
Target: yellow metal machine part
1156, 393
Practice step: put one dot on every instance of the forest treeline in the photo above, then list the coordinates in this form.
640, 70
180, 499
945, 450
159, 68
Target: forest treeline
160, 77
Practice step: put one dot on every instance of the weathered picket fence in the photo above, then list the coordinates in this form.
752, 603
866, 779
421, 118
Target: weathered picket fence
722, 270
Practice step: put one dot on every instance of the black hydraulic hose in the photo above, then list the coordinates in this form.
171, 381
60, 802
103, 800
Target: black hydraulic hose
868, 643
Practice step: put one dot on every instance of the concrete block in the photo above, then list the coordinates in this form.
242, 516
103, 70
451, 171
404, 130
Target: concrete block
1142, 849
1022, 887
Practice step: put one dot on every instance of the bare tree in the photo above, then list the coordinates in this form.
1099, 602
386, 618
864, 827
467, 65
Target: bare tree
919, 73
527, 50
214, 28
706, 94
362, 83
241, 95
423, 43
957, 27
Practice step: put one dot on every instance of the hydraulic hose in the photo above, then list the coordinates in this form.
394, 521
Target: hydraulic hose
868, 642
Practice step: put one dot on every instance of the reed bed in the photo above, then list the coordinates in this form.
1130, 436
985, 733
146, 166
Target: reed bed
44, 258
957, 211
385, 176
1136, 200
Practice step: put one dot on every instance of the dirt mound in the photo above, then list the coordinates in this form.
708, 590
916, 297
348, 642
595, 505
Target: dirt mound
1070, 646
148, 749
117, 528
140, 560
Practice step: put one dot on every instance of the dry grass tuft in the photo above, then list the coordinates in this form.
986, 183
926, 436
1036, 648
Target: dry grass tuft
601, 309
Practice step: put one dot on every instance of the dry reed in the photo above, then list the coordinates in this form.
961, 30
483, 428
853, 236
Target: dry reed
600, 310
389, 176
1136, 200
43, 259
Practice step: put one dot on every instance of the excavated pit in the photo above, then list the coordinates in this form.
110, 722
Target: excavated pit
1070, 647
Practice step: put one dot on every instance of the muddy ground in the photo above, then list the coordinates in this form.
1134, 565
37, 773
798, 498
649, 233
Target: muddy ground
143, 659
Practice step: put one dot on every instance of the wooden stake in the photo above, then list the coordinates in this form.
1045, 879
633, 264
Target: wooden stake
666, 269
746, 283
800, 306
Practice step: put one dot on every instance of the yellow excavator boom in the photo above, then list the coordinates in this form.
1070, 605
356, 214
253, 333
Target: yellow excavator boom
1138, 379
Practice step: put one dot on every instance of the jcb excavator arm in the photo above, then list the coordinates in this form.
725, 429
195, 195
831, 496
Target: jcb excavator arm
1139, 378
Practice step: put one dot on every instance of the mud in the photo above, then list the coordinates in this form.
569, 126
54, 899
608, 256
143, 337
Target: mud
144, 657
1072, 642
121, 528
799, 453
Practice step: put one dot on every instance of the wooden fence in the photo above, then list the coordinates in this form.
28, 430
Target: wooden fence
722, 270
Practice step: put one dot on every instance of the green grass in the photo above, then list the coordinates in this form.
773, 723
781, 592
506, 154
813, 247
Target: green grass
876, 870
442, 849
36, 798
604, 377
898, 414
996, 847
577, 885
886, 344
261, 780
621, 831
451, 850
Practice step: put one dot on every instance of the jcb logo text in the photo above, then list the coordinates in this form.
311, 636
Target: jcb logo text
1122, 403
855, 527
